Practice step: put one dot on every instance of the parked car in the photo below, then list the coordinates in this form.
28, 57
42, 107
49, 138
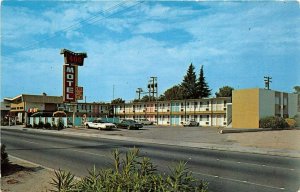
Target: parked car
145, 122
129, 124
190, 123
100, 124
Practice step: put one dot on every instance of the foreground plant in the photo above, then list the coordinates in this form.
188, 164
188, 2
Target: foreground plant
130, 173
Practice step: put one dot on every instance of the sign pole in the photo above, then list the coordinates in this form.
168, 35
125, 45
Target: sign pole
74, 107
71, 91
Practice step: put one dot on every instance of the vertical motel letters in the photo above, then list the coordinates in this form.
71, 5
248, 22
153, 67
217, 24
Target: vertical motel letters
69, 83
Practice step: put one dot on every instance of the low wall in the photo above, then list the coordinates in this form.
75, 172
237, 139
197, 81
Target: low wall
51, 120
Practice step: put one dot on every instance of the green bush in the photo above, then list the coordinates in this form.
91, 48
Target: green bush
273, 122
28, 125
4, 158
35, 125
60, 125
130, 173
54, 127
47, 125
40, 125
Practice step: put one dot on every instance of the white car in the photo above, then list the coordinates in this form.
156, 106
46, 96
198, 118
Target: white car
145, 122
190, 123
100, 124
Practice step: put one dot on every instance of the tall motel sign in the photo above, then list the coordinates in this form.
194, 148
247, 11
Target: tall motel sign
71, 91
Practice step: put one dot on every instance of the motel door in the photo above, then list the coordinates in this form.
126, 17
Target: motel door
174, 120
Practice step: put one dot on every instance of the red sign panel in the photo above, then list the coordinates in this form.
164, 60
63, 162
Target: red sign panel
79, 93
69, 83
74, 59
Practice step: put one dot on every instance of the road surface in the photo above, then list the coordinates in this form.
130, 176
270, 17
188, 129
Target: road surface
225, 171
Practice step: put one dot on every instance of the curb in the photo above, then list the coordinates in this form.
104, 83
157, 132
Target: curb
210, 146
223, 131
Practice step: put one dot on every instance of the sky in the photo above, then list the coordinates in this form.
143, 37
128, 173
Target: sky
127, 42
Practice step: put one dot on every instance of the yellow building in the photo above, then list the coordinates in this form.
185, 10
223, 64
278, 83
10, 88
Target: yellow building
250, 105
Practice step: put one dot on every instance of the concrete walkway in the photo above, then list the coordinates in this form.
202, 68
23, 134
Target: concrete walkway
199, 137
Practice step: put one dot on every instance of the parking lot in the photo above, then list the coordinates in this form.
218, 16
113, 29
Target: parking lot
280, 139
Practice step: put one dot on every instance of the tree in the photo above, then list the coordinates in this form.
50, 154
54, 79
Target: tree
173, 93
146, 98
297, 89
202, 87
117, 101
225, 91
188, 85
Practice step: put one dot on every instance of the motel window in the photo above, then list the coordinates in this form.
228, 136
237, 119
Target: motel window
200, 117
200, 104
207, 117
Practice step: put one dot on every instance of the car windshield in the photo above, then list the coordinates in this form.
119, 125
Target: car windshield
100, 121
130, 121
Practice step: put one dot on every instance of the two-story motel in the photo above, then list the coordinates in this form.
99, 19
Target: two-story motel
208, 111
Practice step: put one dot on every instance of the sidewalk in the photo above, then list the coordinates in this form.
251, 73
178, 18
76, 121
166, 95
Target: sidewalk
281, 143
26, 176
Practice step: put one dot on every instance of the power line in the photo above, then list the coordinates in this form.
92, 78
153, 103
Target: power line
33, 45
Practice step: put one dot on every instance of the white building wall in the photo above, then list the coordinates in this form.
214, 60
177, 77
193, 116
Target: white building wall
266, 103
292, 104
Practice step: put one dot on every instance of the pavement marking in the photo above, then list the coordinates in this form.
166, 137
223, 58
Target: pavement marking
68, 149
239, 181
263, 165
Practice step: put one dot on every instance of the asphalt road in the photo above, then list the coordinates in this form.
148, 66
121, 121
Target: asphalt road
225, 171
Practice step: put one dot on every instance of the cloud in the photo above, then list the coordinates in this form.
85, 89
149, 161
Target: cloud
151, 27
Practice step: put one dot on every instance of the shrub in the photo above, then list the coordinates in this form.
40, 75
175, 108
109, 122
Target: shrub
28, 125
54, 127
131, 173
291, 122
273, 122
47, 125
40, 125
35, 125
60, 125
4, 158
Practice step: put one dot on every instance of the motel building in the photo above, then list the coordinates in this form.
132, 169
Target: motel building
250, 105
24, 105
208, 111
243, 110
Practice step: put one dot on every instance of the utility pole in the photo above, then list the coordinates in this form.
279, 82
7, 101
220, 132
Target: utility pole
139, 91
267, 82
152, 86
113, 91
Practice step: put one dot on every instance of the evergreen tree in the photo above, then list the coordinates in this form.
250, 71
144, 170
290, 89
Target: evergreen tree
188, 84
202, 87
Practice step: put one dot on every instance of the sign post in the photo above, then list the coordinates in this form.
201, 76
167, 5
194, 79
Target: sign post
71, 91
